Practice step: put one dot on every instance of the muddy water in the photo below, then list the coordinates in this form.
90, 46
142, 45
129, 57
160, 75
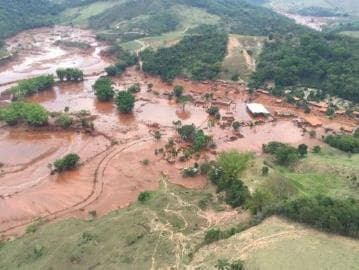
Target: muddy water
255, 137
37, 54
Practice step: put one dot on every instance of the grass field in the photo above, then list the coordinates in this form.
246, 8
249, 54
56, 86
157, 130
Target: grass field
79, 16
330, 173
277, 244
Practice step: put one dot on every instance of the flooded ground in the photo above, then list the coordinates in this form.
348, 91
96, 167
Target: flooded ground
37, 53
113, 171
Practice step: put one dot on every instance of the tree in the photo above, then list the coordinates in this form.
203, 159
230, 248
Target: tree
184, 100
61, 73
125, 102
178, 91
111, 71
187, 132
236, 125
103, 89
135, 88
213, 110
68, 162
356, 133
65, 120
316, 149
303, 150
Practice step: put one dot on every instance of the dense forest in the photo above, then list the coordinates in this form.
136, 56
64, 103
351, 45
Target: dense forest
199, 55
17, 15
323, 61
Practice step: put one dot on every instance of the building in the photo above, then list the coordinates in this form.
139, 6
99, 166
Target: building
257, 109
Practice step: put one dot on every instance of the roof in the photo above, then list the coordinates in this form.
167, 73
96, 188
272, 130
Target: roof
256, 108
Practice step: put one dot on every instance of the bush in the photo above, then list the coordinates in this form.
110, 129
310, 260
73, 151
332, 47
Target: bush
213, 110
33, 114
144, 196
135, 88
356, 133
30, 87
236, 125
303, 150
178, 91
317, 149
265, 170
284, 154
346, 143
65, 120
125, 102
68, 162
71, 74
103, 89
187, 132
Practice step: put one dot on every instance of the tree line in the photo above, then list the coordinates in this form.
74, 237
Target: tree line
31, 86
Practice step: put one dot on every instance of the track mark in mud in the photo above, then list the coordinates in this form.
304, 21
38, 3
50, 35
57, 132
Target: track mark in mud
96, 190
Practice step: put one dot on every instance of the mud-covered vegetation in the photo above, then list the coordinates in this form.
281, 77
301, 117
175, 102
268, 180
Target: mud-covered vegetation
31, 86
70, 74
198, 55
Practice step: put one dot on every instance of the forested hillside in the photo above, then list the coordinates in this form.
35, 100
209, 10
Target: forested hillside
16, 15
236, 15
326, 62
198, 55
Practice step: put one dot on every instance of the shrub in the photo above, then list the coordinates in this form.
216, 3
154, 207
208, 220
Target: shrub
103, 89
303, 150
135, 88
178, 91
346, 143
213, 110
65, 120
71, 74
283, 153
236, 125
111, 71
157, 135
69, 162
317, 149
33, 114
187, 132
265, 170
144, 196
31, 86
356, 133
125, 102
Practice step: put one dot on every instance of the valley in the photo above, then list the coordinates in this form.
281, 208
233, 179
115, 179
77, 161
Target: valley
186, 153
